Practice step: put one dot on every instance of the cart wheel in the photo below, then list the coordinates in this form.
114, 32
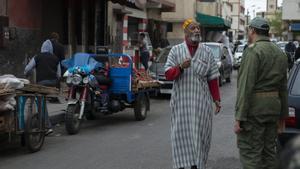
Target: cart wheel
141, 107
72, 122
34, 134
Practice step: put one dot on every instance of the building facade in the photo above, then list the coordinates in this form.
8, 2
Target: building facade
128, 20
291, 16
184, 9
209, 13
24, 25
238, 29
83, 26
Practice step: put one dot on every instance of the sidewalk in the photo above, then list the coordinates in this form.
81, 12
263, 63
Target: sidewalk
57, 111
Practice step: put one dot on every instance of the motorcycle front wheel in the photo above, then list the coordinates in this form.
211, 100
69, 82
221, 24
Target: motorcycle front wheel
72, 122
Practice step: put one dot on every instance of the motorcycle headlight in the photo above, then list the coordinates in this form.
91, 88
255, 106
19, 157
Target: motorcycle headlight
86, 80
76, 79
69, 80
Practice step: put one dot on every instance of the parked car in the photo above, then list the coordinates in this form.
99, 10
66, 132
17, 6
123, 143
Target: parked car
224, 60
292, 123
157, 71
281, 45
274, 40
238, 56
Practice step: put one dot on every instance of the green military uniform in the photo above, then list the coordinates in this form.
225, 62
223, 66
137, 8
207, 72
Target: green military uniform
261, 102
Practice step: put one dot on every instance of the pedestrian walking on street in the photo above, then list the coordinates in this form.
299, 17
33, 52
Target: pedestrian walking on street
195, 72
290, 49
58, 48
144, 51
47, 71
297, 53
261, 104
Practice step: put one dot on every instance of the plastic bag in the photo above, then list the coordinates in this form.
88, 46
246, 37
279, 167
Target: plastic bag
7, 103
11, 82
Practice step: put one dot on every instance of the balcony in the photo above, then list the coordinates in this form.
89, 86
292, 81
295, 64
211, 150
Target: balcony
163, 5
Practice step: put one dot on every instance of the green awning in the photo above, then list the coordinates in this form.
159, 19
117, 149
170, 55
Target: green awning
212, 21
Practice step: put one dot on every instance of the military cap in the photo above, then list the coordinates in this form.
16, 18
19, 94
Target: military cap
259, 23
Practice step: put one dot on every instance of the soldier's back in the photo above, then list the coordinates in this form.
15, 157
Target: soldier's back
272, 65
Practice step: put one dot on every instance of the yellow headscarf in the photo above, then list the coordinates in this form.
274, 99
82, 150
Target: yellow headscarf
187, 22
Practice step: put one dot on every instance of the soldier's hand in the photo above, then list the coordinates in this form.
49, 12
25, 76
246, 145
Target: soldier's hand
237, 127
186, 63
281, 126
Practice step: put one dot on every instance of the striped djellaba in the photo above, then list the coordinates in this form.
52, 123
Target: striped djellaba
191, 106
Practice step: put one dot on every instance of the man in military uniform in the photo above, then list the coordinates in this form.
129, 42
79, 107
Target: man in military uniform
261, 102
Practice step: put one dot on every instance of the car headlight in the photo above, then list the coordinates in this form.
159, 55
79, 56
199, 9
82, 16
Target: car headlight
76, 79
292, 112
86, 80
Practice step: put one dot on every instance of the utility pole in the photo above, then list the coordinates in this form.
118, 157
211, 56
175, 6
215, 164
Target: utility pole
247, 23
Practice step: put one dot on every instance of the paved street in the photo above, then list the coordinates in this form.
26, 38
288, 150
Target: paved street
119, 142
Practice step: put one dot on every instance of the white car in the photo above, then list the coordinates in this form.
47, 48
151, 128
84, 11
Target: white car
224, 59
238, 56
281, 45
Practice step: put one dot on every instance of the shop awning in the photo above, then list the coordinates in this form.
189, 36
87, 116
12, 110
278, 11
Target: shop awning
295, 27
212, 21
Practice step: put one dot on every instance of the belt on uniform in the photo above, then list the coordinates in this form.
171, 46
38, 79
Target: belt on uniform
267, 94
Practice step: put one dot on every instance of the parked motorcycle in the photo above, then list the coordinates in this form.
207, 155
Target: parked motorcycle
91, 91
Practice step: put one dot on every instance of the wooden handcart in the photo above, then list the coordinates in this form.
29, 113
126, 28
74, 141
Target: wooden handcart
28, 120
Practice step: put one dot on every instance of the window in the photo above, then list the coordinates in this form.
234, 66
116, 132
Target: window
271, 6
295, 88
242, 9
242, 22
215, 51
169, 27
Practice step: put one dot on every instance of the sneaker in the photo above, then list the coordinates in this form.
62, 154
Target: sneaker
48, 132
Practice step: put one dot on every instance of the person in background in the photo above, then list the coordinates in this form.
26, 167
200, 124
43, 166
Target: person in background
144, 52
195, 73
261, 104
58, 48
297, 53
47, 71
59, 51
290, 49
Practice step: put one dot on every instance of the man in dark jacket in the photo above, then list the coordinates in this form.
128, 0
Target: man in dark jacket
47, 71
